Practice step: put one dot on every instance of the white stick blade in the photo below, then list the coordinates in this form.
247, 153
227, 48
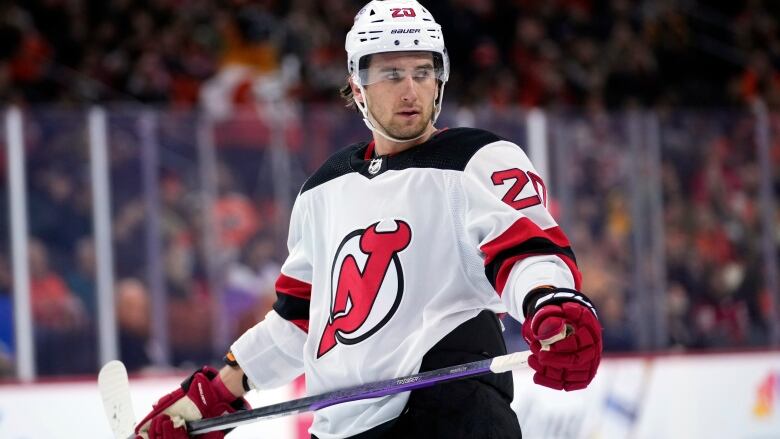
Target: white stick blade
115, 392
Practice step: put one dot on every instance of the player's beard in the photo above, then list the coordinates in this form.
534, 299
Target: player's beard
401, 130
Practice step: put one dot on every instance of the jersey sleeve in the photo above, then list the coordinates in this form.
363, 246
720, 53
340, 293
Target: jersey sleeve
271, 352
508, 221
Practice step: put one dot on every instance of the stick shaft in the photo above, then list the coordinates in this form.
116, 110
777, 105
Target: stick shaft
365, 391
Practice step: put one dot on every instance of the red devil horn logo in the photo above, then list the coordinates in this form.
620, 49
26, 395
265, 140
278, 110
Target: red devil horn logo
356, 291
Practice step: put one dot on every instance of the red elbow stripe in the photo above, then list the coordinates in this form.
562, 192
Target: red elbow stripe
521, 240
520, 232
292, 301
293, 287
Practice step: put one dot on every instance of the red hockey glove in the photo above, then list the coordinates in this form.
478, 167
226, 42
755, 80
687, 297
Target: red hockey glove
202, 395
564, 334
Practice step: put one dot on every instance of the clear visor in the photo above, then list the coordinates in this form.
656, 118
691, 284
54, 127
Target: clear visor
389, 73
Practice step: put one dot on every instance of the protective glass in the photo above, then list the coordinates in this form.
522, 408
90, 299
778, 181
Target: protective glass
422, 74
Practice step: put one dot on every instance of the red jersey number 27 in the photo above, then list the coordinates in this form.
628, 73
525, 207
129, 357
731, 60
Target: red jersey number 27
520, 179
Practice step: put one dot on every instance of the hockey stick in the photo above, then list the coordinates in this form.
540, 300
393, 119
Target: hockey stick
503, 363
115, 391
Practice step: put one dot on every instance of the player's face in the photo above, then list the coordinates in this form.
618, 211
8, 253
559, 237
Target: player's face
401, 91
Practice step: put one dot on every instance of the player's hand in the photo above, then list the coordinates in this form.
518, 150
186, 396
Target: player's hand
564, 335
202, 395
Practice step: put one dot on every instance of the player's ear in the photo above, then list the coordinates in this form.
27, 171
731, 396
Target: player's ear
357, 95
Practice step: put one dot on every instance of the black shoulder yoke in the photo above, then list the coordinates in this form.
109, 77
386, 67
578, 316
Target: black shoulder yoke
448, 149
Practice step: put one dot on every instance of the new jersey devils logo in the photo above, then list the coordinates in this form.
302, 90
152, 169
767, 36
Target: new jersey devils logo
363, 301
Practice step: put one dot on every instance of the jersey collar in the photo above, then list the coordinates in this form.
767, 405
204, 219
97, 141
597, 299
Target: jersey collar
371, 166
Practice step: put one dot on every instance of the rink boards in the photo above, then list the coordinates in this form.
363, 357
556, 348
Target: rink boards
678, 396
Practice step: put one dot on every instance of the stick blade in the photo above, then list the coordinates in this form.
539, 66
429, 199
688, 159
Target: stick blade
115, 391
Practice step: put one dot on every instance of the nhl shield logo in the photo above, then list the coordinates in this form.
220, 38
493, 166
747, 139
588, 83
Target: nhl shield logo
375, 165
366, 283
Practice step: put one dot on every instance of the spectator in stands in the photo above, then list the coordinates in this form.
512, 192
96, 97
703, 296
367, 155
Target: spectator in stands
128, 230
166, 51
61, 219
59, 317
81, 278
249, 289
678, 317
236, 216
53, 305
760, 79
190, 322
618, 333
132, 307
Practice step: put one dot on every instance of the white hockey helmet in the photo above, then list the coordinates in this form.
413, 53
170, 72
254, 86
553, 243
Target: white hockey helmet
396, 26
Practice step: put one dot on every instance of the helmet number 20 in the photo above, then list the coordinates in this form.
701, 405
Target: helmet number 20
403, 12
521, 179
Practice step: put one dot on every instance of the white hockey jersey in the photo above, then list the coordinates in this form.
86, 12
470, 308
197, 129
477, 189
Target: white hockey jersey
389, 254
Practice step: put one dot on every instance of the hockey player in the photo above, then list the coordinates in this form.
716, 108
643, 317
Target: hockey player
402, 251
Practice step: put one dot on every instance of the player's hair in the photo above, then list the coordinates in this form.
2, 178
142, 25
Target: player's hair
346, 94
346, 90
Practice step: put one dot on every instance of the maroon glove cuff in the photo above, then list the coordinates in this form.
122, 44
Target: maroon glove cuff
221, 390
540, 297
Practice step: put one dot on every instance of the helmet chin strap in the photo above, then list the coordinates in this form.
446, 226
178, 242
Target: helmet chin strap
367, 116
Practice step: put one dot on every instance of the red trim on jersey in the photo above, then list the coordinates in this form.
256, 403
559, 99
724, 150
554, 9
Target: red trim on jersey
370, 148
369, 151
519, 232
293, 287
303, 325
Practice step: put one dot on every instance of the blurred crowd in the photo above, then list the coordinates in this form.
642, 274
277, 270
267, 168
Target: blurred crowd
516, 52
589, 57
182, 244
712, 281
